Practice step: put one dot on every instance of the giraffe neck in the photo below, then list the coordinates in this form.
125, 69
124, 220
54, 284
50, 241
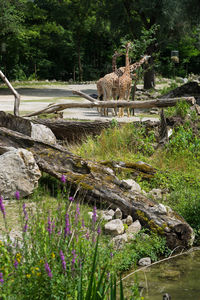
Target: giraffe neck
114, 61
127, 65
137, 64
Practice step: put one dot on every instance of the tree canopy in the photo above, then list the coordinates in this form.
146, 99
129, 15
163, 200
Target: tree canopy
75, 39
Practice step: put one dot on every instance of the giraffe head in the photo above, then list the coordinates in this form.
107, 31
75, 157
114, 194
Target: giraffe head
145, 58
116, 54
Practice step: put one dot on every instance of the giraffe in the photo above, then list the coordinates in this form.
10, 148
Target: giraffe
133, 67
136, 65
124, 83
106, 86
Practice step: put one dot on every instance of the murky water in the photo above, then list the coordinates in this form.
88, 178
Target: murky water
179, 277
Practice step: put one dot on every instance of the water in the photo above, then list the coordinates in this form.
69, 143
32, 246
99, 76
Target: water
179, 277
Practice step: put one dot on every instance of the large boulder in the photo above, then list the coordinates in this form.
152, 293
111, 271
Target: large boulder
42, 133
114, 227
18, 172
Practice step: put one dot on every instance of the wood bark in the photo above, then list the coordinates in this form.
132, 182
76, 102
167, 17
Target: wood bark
97, 182
14, 92
114, 104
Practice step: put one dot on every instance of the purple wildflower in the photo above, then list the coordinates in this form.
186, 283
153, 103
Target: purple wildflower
17, 195
67, 225
94, 216
1, 278
48, 270
99, 230
2, 208
25, 226
49, 227
87, 236
71, 199
16, 264
73, 260
111, 254
63, 179
25, 212
63, 260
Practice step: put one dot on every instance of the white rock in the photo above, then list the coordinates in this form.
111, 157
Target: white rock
119, 241
129, 220
145, 261
18, 172
106, 217
134, 186
134, 228
156, 193
110, 212
114, 227
118, 214
160, 209
42, 133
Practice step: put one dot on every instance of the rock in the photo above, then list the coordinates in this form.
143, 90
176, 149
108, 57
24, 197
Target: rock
134, 227
42, 133
111, 212
118, 214
119, 241
19, 172
146, 261
156, 194
129, 220
160, 209
114, 227
106, 217
134, 186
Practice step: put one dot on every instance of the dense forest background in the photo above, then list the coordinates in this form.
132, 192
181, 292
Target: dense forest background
75, 39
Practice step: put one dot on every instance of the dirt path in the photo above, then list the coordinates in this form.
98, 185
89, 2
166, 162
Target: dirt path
35, 98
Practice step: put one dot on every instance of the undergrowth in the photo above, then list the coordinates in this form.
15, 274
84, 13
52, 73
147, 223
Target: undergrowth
177, 163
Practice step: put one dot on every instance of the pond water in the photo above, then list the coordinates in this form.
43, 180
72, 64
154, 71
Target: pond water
178, 276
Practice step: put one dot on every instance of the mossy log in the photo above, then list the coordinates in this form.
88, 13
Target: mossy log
99, 184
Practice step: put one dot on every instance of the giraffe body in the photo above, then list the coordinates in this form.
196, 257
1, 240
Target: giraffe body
124, 83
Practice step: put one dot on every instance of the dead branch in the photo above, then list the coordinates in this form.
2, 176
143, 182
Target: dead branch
15, 93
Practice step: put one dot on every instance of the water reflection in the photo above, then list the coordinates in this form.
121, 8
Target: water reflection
178, 276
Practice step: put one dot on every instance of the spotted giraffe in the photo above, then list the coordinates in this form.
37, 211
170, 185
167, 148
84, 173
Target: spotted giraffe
124, 83
107, 87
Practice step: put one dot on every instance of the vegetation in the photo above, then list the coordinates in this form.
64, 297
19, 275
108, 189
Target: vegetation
177, 163
56, 256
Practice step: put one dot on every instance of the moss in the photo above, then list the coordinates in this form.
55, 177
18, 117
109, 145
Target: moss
151, 224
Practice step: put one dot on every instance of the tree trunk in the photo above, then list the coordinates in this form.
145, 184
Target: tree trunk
149, 75
80, 69
99, 184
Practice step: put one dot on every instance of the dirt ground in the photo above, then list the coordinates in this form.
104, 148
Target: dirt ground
37, 97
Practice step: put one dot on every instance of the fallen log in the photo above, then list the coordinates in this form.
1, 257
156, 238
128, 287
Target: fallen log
114, 104
70, 131
98, 183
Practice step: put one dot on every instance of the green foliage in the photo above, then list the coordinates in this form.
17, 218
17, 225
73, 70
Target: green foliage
186, 201
166, 90
116, 142
143, 245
